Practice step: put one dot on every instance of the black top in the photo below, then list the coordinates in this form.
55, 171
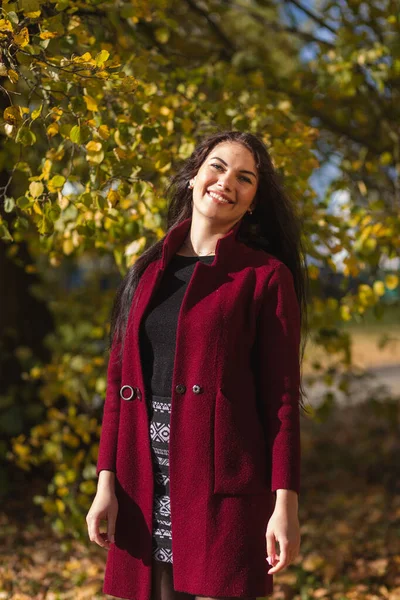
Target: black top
158, 328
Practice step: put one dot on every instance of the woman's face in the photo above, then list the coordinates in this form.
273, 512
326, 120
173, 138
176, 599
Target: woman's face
228, 173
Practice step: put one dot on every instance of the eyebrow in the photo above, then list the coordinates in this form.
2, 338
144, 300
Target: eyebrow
241, 170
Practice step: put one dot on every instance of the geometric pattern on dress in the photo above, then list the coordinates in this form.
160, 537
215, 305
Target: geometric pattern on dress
161, 480
161, 407
159, 432
162, 554
162, 506
159, 436
162, 533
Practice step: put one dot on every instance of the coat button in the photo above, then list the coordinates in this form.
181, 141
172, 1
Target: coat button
180, 388
127, 392
196, 389
138, 393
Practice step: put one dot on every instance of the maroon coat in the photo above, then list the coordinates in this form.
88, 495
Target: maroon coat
234, 429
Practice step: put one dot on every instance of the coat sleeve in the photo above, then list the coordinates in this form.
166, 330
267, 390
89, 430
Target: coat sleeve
278, 371
109, 429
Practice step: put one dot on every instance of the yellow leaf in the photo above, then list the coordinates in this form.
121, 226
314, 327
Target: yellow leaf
95, 158
362, 187
391, 281
59, 480
22, 451
60, 506
379, 288
87, 57
68, 246
386, 158
93, 146
37, 209
91, 103
36, 113
56, 113
313, 271
13, 115
12, 75
36, 189
5, 25
48, 35
53, 129
345, 313
366, 294
104, 132
113, 196
22, 38
119, 154
46, 169
102, 57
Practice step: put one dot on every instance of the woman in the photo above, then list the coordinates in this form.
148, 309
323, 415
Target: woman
199, 457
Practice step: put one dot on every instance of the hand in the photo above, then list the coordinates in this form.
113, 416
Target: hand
105, 506
283, 527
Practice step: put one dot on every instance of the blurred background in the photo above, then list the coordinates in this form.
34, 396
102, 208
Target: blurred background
100, 101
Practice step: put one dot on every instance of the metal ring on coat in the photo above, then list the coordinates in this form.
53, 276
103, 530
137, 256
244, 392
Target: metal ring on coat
122, 391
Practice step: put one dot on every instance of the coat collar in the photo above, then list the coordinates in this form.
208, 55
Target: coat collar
176, 236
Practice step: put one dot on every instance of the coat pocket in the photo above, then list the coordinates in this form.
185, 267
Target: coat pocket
240, 464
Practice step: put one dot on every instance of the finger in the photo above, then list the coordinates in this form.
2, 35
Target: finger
282, 562
111, 528
94, 530
106, 542
271, 547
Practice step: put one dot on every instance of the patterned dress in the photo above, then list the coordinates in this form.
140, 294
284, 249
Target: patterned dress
157, 349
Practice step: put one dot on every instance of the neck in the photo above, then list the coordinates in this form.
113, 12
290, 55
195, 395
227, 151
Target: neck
201, 241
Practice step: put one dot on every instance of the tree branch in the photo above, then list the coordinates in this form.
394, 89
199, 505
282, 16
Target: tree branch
229, 48
312, 15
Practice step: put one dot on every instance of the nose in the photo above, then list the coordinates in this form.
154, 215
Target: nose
225, 180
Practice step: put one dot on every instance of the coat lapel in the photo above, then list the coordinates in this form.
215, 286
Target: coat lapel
151, 278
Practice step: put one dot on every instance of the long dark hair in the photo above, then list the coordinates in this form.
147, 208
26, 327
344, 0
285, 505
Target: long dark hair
273, 226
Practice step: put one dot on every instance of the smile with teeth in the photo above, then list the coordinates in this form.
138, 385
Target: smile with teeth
218, 197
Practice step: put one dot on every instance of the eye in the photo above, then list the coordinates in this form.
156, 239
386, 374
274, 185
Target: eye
243, 177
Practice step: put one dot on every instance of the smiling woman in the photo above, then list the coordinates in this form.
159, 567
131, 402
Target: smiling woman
205, 336
228, 177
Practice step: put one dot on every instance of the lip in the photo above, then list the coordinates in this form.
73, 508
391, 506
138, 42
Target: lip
221, 194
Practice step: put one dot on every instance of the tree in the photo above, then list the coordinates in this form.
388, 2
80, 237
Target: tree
100, 107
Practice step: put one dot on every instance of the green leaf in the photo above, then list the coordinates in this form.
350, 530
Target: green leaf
4, 232
148, 134
62, 5
57, 181
13, 17
22, 223
45, 226
24, 202
162, 35
75, 134
9, 205
30, 5
25, 136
